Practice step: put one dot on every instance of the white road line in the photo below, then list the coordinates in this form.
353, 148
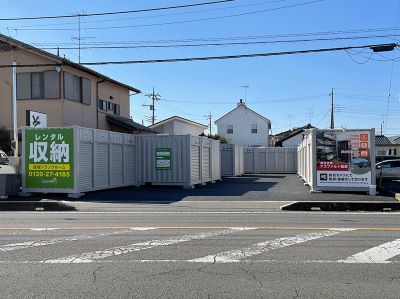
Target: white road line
42, 229
378, 254
319, 213
101, 254
31, 244
236, 255
190, 262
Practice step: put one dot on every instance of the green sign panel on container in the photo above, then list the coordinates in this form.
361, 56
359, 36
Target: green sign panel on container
49, 158
163, 158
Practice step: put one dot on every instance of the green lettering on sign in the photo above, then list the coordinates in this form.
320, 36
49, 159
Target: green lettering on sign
49, 158
163, 158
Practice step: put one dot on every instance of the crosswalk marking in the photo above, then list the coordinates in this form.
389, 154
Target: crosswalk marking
378, 254
31, 244
236, 255
101, 254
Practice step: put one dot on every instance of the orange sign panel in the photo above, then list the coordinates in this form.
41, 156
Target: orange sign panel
363, 137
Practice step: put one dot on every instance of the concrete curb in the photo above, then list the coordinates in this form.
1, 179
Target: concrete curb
47, 205
390, 193
377, 206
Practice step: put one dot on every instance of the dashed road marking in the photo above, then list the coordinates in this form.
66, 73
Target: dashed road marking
31, 244
115, 251
378, 254
236, 255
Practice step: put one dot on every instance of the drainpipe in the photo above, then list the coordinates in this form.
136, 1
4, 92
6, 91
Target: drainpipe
97, 100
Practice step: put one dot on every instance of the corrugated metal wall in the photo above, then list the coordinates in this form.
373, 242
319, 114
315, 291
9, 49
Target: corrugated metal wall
232, 157
106, 159
270, 160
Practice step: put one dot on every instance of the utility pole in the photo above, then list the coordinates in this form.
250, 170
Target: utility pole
332, 111
155, 97
14, 103
209, 116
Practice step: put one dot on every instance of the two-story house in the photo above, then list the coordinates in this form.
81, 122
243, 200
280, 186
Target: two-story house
177, 125
244, 126
65, 92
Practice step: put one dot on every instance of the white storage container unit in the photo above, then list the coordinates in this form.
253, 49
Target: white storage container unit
106, 159
270, 160
338, 160
78, 160
232, 159
181, 160
216, 160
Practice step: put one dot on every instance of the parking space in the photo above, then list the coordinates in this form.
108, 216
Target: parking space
268, 187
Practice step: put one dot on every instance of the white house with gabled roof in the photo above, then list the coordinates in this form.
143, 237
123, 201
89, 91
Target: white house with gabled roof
244, 126
177, 125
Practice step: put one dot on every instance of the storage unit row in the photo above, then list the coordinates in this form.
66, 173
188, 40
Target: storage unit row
76, 160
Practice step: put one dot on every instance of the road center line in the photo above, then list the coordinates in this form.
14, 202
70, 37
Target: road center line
101, 254
237, 254
31, 244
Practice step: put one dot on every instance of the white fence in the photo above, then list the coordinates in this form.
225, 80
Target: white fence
306, 155
232, 160
270, 160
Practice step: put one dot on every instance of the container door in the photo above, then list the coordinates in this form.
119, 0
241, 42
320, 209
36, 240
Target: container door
85, 167
195, 161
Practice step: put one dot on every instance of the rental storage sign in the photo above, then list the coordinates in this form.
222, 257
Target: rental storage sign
343, 158
163, 158
49, 158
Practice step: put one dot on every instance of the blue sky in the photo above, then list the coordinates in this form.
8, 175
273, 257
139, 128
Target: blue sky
289, 90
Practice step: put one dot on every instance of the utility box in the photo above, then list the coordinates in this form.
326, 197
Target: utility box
181, 160
338, 160
232, 159
10, 184
75, 160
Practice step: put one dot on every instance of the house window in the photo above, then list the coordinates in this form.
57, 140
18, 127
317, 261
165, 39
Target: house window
77, 89
38, 85
117, 109
110, 106
103, 105
229, 129
254, 129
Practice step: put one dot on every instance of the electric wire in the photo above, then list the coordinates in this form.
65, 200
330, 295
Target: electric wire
115, 12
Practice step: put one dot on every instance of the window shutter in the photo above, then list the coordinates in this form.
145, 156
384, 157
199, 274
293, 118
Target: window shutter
51, 85
86, 91
23, 86
68, 86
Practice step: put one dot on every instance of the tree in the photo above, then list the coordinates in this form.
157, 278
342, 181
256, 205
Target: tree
5, 140
221, 139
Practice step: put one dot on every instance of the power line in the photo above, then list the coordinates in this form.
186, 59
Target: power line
115, 12
152, 16
222, 44
174, 22
206, 58
231, 38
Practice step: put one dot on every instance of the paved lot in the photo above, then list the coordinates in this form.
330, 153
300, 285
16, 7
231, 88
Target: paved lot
271, 187
151, 254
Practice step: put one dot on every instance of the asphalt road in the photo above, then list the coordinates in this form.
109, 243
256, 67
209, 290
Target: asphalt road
189, 250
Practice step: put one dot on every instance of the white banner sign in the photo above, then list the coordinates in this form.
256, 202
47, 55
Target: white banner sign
36, 119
